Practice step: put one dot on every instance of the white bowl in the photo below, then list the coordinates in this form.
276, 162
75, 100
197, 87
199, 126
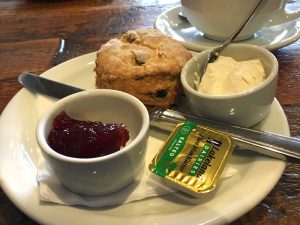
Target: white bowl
106, 174
243, 109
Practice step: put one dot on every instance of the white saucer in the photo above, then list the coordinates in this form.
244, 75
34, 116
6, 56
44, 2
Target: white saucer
171, 24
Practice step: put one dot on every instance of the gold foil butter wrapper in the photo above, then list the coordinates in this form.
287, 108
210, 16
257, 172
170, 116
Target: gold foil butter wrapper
193, 158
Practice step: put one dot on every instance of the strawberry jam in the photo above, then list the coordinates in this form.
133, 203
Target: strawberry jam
86, 139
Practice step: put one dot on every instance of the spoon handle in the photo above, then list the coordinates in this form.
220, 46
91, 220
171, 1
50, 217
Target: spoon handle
213, 54
236, 32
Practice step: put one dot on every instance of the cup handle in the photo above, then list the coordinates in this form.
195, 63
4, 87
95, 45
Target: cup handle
285, 16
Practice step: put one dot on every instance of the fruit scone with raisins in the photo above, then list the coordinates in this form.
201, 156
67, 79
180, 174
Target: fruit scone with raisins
144, 63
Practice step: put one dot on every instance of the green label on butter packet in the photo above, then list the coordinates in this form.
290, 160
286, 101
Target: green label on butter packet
165, 165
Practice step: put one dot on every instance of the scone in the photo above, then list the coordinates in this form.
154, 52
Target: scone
144, 63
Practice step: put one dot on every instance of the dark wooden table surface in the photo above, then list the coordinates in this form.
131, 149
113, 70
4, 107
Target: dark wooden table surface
30, 36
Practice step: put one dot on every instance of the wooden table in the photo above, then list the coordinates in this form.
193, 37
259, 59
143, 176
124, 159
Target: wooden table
30, 36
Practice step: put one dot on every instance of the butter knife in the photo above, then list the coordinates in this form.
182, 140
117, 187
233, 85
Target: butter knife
267, 143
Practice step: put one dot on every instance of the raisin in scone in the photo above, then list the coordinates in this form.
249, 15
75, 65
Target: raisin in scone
144, 63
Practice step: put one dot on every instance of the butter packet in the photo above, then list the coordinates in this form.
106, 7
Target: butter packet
193, 158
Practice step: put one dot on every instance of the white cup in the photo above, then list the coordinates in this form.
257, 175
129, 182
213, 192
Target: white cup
218, 19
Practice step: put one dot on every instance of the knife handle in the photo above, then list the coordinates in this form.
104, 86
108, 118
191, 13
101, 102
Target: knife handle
281, 147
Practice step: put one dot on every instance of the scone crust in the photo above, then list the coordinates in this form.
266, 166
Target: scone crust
144, 63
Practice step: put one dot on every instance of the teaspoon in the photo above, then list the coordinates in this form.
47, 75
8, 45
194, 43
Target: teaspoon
213, 54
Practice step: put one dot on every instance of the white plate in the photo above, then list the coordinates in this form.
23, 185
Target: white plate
274, 37
236, 195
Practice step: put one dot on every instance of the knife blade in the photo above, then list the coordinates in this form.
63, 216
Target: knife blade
45, 86
267, 143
